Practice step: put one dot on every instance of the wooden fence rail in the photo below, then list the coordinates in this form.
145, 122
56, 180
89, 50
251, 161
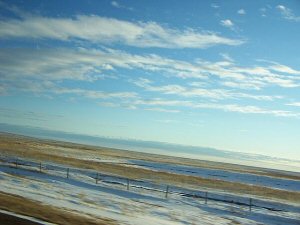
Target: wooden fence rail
18, 163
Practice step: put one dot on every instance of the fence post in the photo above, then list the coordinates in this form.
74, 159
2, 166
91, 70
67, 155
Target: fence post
97, 178
167, 191
40, 167
250, 204
68, 173
127, 184
205, 197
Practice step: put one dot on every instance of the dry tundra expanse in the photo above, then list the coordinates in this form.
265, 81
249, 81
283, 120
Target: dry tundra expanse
114, 161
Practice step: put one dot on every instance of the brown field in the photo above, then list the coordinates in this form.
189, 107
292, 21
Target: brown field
70, 154
43, 212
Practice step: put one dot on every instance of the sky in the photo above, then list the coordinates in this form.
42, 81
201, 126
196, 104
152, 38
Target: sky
220, 74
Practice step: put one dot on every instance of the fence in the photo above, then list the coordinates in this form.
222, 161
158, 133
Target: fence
167, 190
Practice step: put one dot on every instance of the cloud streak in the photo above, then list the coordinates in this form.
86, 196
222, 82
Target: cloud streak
119, 6
297, 104
227, 23
199, 92
43, 72
237, 108
241, 12
104, 30
288, 13
90, 65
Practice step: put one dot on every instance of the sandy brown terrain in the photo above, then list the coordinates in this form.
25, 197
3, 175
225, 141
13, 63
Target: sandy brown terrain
43, 212
18, 143
75, 155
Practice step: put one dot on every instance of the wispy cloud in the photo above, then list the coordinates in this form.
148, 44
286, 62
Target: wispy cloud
91, 65
120, 6
284, 69
288, 13
237, 108
297, 104
241, 12
162, 102
264, 11
200, 92
42, 71
227, 23
215, 6
109, 104
115, 4
51, 64
226, 57
248, 109
166, 121
109, 30
163, 110
94, 94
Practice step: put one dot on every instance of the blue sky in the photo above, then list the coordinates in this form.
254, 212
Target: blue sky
222, 74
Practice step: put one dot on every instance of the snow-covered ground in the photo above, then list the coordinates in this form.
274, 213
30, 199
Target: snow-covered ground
109, 198
247, 178
241, 177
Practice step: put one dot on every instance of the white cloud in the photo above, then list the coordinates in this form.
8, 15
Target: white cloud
215, 6
163, 110
226, 57
281, 7
90, 65
42, 71
227, 23
241, 11
288, 13
51, 64
109, 30
162, 102
297, 104
119, 6
284, 69
115, 4
243, 85
132, 100
49, 88
200, 92
197, 84
245, 109
109, 104
265, 10
95, 94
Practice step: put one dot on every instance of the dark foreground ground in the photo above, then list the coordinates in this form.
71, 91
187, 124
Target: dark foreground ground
12, 220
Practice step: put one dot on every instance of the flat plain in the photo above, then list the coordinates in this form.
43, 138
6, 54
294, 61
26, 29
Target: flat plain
80, 198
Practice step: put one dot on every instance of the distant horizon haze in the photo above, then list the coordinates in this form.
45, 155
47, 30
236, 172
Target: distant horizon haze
154, 147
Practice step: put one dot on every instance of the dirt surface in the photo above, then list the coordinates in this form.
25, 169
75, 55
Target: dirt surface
43, 212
